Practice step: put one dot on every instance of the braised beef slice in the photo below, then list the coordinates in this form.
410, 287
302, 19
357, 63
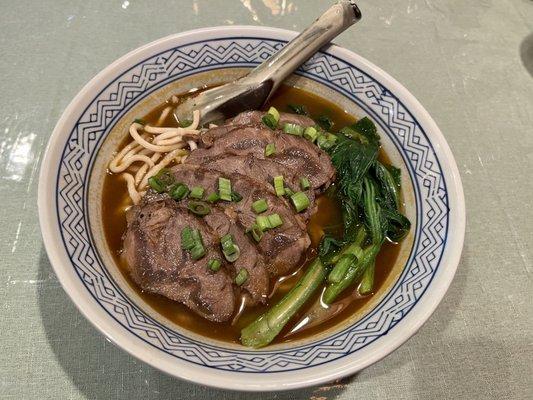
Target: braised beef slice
296, 155
157, 263
283, 247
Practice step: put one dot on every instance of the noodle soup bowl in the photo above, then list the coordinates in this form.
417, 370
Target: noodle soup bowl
95, 124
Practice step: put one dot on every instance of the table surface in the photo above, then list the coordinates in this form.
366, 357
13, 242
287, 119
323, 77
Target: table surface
470, 63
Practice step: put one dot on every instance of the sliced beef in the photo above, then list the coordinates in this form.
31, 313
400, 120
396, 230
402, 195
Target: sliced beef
297, 156
255, 117
263, 170
283, 247
156, 262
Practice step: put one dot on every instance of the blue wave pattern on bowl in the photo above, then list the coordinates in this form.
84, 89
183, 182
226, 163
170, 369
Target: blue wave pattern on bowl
381, 105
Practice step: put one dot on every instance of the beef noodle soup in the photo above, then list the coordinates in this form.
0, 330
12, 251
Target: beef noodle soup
329, 217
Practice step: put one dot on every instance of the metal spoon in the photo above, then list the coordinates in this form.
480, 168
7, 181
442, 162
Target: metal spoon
253, 90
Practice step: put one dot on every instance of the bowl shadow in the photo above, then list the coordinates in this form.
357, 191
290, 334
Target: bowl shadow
526, 53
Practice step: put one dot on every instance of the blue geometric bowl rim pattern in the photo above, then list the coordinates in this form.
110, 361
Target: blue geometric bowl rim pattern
428, 178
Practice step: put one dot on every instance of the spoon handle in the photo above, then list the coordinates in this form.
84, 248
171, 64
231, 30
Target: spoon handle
335, 20
253, 90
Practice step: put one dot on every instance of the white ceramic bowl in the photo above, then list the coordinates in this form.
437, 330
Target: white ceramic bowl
70, 187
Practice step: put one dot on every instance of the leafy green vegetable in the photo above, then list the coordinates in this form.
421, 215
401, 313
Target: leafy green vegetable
325, 122
389, 178
265, 328
299, 109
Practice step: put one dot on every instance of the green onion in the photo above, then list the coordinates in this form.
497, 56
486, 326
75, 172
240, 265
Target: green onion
270, 149
166, 177
260, 206
198, 251
300, 201
213, 197
304, 183
310, 133
197, 192
187, 239
326, 141
241, 277
139, 121
270, 121
236, 197
293, 129
198, 208
275, 113
224, 189
256, 232
228, 243
214, 264
288, 192
263, 222
230, 250
156, 184
178, 191
275, 220
191, 240
278, 185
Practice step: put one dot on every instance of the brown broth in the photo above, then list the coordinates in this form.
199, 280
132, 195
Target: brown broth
115, 197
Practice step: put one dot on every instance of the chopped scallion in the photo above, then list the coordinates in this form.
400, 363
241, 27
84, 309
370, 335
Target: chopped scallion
198, 251
256, 232
270, 121
197, 192
293, 129
214, 264
213, 197
270, 149
156, 184
288, 191
278, 185
178, 191
260, 206
191, 240
326, 141
262, 222
230, 250
275, 220
241, 277
304, 183
310, 133
199, 208
187, 239
275, 113
224, 189
300, 201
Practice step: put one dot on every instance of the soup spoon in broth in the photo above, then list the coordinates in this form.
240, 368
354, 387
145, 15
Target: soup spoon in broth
253, 90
